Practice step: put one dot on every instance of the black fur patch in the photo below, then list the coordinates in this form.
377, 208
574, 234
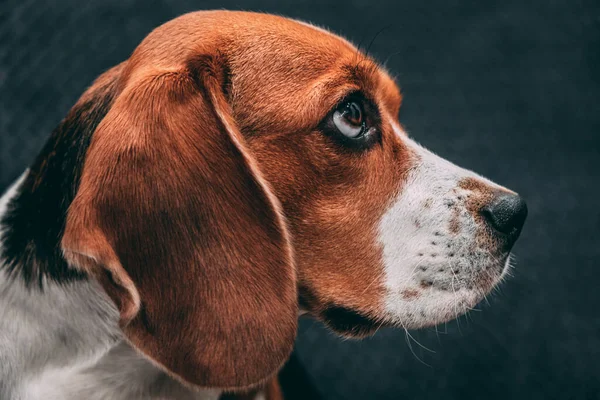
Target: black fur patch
346, 321
295, 381
35, 220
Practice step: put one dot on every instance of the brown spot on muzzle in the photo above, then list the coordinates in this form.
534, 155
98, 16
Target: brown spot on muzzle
410, 294
454, 226
481, 194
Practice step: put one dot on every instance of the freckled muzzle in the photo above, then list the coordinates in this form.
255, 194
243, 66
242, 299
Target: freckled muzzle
446, 240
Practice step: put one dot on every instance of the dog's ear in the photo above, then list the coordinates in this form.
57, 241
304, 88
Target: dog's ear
174, 219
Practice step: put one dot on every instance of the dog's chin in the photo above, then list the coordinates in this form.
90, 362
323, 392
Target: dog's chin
439, 299
435, 303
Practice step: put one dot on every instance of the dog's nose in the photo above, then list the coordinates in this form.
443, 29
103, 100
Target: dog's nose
506, 213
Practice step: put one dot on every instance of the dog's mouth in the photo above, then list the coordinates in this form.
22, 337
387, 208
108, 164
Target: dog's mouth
444, 291
437, 300
349, 322
437, 293
344, 321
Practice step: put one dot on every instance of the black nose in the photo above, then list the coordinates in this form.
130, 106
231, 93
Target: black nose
506, 213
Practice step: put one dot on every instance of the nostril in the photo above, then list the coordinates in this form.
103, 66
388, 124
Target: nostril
506, 214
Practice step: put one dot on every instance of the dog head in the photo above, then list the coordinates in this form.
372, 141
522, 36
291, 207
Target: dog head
247, 161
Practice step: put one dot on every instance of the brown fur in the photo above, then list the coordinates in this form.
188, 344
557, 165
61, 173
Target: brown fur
209, 168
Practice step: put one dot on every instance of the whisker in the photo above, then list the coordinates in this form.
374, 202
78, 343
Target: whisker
366, 53
390, 56
456, 304
437, 334
371, 284
407, 336
418, 343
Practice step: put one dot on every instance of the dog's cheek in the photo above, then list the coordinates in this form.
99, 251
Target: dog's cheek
333, 201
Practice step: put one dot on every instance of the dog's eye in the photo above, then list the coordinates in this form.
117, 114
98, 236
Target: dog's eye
348, 118
353, 123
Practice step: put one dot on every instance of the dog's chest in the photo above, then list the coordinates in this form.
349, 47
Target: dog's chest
121, 374
64, 344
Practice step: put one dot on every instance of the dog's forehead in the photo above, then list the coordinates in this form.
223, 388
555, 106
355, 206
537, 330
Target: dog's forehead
278, 66
300, 54
291, 41
286, 38
242, 33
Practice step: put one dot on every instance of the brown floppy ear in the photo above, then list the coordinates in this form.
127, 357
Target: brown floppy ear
174, 219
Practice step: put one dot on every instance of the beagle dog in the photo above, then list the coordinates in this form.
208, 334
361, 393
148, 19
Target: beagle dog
237, 170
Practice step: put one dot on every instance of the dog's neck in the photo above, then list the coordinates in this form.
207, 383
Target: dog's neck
59, 336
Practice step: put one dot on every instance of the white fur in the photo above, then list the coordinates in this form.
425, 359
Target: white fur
11, 192
430, 269
64, 343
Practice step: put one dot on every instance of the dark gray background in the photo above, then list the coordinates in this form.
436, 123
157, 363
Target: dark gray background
507, 88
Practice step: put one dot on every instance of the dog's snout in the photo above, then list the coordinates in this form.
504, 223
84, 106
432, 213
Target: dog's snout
506, 213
